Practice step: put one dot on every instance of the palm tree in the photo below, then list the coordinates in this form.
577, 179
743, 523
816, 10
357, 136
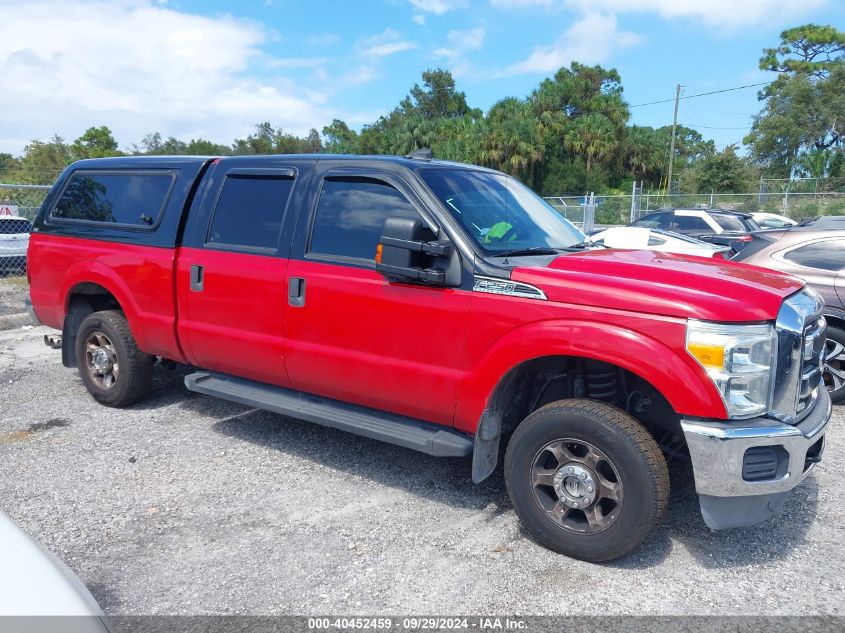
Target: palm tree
642, 152
591, 136
514, 140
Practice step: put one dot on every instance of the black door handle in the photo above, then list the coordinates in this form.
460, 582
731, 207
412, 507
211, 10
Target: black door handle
196, 277
296, 292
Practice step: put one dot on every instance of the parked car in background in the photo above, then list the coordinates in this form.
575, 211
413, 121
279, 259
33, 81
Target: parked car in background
772, 220
824, 222
639, 238
817, 256
726, 228
33, 582
14, 240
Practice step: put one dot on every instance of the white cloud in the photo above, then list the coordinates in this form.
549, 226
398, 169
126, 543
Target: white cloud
419, 18
370, 51
384, 44
729, 14
593, 39
460, 43
521, 4
138, 67
438, 7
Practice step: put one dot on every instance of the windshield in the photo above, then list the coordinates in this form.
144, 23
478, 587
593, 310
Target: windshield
500, 213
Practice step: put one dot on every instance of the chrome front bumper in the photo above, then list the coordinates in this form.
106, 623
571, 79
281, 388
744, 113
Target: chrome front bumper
718, 452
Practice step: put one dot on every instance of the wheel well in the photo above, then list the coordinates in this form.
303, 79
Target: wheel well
835, 321
82, 300
536, 382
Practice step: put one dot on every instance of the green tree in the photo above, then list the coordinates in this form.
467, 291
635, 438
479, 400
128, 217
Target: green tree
804, 108
722, 172
41, 163
96, 142
270, 140
806, 50
339, 138
437, 98
592, 137
819, 163
644, 154
513, 142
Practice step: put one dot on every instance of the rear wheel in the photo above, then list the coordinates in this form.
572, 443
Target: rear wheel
113, 369
834, 363
586, 479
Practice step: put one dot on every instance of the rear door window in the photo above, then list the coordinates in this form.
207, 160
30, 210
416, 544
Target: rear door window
690, 223
827, 255
128, 198
653, 221
249, 212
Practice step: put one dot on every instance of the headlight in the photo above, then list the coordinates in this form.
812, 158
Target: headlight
739, 359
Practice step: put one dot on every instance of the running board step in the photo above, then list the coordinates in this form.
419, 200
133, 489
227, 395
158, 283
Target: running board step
417, 435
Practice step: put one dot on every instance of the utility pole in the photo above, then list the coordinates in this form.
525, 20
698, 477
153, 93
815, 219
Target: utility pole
672, 146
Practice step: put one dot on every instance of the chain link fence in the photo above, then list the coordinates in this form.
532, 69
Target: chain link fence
622, 209
18, 206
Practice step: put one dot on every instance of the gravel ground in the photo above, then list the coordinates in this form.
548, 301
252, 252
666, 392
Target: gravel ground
189, 505
13, 293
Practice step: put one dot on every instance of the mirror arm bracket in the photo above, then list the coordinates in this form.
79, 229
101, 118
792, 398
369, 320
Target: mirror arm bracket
436, 249
427, 275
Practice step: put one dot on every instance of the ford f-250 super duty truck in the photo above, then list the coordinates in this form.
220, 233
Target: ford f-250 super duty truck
444, 308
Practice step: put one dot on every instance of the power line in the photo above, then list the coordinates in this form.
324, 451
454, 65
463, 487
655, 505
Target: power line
701, 94
713, 127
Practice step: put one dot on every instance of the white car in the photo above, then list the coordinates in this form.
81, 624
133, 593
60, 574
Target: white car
772, 220
33, 582
638, 238
14, 240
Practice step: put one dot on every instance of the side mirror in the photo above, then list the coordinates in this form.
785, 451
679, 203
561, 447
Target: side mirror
407, 250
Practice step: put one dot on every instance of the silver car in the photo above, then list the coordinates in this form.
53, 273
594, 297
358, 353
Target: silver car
816, 253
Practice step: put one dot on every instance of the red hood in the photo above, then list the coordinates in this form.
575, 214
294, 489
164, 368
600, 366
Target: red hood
659, 283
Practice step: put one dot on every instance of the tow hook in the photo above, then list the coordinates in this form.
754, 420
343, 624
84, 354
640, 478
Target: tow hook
52, 341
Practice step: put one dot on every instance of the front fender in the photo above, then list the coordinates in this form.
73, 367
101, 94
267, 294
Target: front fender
663, 362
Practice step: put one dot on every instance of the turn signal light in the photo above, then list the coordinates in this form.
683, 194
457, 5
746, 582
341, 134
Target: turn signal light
710, 356
379, 248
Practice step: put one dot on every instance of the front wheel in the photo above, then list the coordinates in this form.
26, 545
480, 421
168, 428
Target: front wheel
586, 479
113, 369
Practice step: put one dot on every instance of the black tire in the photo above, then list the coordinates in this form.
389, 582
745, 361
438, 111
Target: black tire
630, 454
834, 371
131, 376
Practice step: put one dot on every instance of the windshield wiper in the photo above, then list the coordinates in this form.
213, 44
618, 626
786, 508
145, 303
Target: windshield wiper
534, 250
588, 243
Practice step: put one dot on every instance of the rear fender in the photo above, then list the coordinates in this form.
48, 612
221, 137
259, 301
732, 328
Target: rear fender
77, 308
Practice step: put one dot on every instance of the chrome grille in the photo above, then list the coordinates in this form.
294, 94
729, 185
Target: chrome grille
800, 343
811, 368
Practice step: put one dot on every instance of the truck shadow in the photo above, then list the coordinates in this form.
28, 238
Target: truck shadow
447, 481
684, 528
443, 480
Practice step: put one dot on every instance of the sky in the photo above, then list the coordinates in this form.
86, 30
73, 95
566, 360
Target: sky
213, 69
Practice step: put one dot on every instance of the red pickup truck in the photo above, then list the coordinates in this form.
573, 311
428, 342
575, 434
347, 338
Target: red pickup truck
444, 308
